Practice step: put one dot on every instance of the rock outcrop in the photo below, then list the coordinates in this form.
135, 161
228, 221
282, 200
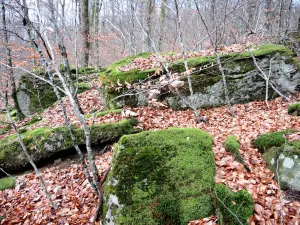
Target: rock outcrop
42, 143
34, 95
282, 158
244, 82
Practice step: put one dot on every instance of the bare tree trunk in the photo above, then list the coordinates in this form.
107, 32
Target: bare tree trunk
251, 9
132, 34
162, 19
150, 11
298, 25
96, 12
85, 31
20, 115
268, 5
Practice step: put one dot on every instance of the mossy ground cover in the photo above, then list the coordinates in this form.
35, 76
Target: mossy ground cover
103, 113
43, 142
7, 182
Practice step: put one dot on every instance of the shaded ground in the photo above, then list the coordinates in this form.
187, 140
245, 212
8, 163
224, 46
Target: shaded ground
72, 192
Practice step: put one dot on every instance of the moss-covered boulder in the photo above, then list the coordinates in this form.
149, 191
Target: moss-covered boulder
243, 79
282, 157
167, 177
273, 139
43, 143
34, 94
284, 161
232, 145
294, 109
160, 177
234, 208
7, 182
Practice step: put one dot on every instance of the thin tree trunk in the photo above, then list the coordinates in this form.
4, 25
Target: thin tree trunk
20, 115
268, 5
85, 31
150, 11
162, 19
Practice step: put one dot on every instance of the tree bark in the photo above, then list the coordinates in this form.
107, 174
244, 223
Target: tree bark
268, 5
20, 115
162, 19
150, 11
85, 31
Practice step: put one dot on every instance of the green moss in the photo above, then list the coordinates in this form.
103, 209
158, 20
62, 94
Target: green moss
41, 94
266, 141
295, 144
7, 182
43, 142
294, 108
231, 145
33, 120
5, 129
103, 113
164, 177
112, 74
233, 208
2, 218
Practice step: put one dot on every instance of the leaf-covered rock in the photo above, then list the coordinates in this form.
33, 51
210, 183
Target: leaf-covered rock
244, 81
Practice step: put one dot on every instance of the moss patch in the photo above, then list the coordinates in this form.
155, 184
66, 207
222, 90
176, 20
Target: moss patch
161, 177
294, 109
103, 113
233, 208
33, 120
266, 141
7, 182
43, 142
112, 74
232, 145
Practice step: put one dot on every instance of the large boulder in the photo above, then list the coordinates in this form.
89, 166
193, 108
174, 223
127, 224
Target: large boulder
282, 157
167, 177
284, 161
34, 95
243, 79
43, 143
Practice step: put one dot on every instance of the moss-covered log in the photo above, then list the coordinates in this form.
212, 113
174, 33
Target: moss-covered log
43, 143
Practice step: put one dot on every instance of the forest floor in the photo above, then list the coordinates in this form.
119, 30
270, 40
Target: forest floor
70, 190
